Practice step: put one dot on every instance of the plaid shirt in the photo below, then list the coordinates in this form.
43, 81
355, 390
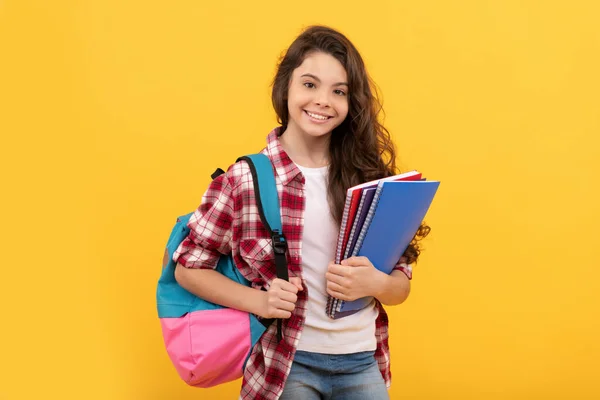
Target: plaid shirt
228, 221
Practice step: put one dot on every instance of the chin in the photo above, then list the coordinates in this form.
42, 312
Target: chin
317, 132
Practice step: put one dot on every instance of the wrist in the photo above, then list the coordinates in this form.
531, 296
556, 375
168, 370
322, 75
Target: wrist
394, 288
257, 302
379, 283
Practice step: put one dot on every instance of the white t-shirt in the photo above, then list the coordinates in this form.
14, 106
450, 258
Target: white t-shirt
322, 334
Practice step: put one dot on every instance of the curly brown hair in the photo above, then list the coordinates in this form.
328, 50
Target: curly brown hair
360, 148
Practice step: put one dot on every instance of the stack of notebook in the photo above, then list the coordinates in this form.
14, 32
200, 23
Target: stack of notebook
380, 220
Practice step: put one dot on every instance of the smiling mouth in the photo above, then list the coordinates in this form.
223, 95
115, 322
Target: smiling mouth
319, 117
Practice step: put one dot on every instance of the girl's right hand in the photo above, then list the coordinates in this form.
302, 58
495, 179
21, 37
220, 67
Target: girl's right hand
280, 299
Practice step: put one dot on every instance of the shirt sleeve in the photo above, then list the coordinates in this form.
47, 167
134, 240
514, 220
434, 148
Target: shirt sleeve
406, 268
210, 228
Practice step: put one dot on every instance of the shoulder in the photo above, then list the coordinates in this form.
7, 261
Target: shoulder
238, 172
239, 175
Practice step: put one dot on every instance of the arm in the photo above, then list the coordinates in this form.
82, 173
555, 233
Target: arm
217, 288
278, 302
211, 232
393, 289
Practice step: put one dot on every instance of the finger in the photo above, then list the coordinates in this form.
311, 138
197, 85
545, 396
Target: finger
337, 295
282, 314
356, 261
340, 280
336, 288
284, 305
297, 281
276, 303
277, 283
285, 285
288, 296
337, 269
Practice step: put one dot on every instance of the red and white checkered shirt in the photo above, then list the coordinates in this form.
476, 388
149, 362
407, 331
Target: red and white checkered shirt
227, 221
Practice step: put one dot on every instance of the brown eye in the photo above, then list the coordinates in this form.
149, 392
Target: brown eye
309, 85
339, 92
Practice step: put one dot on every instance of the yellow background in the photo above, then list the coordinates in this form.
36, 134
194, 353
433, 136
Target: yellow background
113, 114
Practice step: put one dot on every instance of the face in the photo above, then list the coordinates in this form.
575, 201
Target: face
318, 95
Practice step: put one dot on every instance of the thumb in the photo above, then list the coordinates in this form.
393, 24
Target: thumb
296, 281
351, 262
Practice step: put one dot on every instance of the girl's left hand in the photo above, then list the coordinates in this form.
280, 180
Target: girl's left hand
355, 278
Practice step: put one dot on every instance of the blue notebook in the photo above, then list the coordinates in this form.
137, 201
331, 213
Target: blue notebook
396, 212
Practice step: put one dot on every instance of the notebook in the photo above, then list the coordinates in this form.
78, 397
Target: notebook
353, 198
395, 214
361, 214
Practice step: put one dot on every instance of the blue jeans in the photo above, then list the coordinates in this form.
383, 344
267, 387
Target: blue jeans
335, 376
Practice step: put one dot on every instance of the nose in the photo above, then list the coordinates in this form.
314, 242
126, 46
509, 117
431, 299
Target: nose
322, 98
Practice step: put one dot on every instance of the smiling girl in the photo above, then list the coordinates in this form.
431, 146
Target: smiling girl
329, 140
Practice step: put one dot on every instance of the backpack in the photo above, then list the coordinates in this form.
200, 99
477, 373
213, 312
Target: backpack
207, 343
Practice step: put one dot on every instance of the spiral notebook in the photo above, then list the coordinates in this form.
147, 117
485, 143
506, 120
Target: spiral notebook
394, 216
353, 200
361, 215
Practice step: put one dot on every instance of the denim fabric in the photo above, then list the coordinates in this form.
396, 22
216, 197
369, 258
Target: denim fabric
317, 376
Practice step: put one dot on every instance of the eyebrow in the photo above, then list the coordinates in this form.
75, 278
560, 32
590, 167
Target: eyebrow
318, 80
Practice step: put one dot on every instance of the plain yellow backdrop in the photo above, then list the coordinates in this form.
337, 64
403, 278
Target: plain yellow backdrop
113, 114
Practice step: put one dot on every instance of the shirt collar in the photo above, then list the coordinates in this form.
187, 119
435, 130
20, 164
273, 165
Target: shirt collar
284, 166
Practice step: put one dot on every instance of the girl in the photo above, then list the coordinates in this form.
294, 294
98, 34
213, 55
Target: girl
329, 140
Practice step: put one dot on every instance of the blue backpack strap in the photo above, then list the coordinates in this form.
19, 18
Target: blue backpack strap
267, 201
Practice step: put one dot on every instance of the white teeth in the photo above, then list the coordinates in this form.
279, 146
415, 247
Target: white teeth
316, 116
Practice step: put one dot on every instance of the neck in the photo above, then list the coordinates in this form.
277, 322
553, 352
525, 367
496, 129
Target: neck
305, 150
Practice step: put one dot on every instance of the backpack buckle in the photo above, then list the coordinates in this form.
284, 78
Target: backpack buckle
279, 242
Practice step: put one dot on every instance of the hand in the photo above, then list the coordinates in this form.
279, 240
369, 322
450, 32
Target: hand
355, 278
280, 299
